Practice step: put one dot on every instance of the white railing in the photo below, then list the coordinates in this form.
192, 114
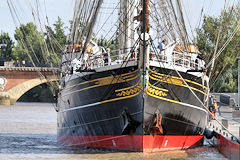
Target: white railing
185, 60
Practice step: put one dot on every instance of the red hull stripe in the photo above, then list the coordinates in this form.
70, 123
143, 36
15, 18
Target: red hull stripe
146, 143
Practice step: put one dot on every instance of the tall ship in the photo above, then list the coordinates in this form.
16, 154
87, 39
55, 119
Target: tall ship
149, 93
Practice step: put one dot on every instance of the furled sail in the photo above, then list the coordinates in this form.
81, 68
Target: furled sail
169, 20
84, 19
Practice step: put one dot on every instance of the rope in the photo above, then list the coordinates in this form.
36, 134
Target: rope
106, 20
14, 14
202, 103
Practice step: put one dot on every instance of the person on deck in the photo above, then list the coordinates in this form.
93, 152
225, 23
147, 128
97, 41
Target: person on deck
162, 45
200, 61
107, 59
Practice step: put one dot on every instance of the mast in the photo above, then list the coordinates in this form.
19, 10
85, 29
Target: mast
144, 45
144, 52
125, 27
182, 22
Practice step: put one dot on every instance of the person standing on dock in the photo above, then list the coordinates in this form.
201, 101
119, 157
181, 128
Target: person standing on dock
214, 109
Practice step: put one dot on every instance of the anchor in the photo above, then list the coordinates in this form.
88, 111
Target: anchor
130, 125
156, 125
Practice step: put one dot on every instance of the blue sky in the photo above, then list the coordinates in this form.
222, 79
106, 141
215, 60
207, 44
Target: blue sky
63, 9
54, 8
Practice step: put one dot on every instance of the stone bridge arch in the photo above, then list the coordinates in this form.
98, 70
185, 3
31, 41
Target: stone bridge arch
16, 92
16, 81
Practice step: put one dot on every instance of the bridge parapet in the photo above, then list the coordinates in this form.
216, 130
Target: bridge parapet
31, 69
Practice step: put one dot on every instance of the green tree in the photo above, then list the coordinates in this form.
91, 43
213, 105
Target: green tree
59, 32
7, 54
52, 45
223, 78
56, 40
30, 44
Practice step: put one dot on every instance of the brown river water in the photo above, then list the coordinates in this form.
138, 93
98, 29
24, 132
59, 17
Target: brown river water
28, 131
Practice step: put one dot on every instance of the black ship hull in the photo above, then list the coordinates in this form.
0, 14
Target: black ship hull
110, 109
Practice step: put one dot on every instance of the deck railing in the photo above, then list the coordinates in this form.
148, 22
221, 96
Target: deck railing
185, 60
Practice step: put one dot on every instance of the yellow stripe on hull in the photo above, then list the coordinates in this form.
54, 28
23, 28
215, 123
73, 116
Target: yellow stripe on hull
176, 83
162, 98
120, 98
104, 78
103, 83
163, 75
